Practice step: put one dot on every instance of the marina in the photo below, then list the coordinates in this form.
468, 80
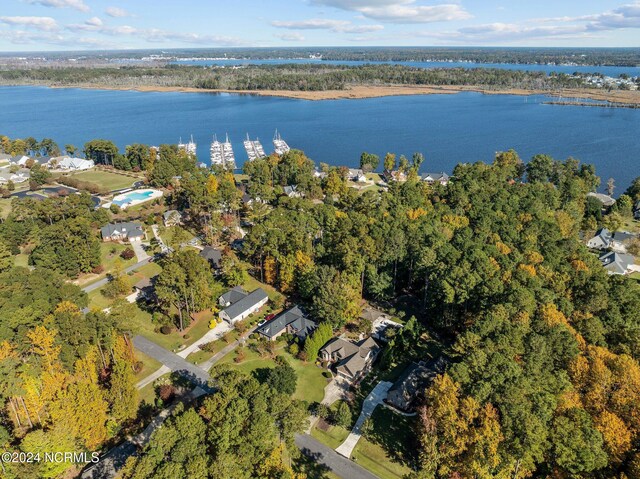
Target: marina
253, 148
222, 153
189, 147
280, 145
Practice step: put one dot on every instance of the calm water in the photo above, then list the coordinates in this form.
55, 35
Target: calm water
447, 129
568, 69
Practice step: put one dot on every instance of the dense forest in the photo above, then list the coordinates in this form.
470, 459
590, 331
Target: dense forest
557, 56
311, 77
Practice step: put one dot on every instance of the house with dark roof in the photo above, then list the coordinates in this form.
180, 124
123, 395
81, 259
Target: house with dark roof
146, 288
350, 360
130, 231
243, 307
293, 321
213, 256
602, 239
407, 391
381, 323
232, 296
617, 263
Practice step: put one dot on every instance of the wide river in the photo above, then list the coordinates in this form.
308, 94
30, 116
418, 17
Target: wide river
447, 129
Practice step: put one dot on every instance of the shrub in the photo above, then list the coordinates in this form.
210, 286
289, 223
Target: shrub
253, 336
294, 349
114, 208
166, 392
98, 269
322, 411
208, 347
240, 356
166, 329
186, 336
127, 254
327, 374
137, 367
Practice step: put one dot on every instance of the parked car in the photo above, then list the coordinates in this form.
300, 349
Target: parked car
269, 317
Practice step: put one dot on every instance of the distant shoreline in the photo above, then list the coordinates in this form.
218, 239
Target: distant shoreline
365, 91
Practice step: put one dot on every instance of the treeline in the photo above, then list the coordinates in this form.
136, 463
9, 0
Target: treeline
537, 55
311, 77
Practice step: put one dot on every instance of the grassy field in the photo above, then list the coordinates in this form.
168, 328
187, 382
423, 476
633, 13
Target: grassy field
106, 179
375, 459
311, 382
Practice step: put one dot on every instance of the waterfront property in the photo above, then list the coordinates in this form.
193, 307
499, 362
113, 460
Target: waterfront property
431, 178
243, 305
601, 240
293, 321
350, 360
131, 231
134, 197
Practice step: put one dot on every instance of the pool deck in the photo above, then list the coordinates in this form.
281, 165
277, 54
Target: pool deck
121, 199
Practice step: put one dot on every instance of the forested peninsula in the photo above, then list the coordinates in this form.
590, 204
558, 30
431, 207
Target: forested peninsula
316, 81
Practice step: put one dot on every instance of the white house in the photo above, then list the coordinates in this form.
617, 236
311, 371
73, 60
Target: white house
73, 164
131, 231
602, 239
243, 306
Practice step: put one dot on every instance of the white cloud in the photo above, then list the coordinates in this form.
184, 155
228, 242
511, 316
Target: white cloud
586, 26
42, 23
95, 21
290, 37
75, 4
337, 26
117, 12
400, 11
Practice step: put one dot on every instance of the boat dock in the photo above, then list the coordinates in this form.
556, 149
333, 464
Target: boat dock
222, 153
280, 145
254, 148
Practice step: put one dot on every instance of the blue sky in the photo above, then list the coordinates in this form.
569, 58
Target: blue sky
35, 25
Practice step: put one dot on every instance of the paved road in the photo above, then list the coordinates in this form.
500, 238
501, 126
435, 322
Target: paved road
173, 362
104, 281
322, 454
374, 398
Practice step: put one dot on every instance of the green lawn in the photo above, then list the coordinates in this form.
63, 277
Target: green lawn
106, 179
253, 284
110, 255
332, 437
311, 382
375, 459
149, 365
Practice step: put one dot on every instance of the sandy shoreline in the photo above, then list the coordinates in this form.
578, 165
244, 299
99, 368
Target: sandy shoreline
361, 92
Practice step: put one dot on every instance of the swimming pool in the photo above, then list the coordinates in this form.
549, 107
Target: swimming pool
135, 197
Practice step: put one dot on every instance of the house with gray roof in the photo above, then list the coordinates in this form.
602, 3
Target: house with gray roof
617, 263
172, 218
248, 304
292, 191
293, 321
601, 240
130, 231
407, 391
350, 360
213, 256
232, 296
606, 200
